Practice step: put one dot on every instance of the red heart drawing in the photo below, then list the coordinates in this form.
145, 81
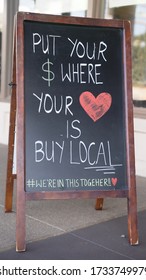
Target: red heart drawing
114, 181
95, 107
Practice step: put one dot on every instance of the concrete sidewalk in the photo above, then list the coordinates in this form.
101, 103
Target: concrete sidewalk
54, 221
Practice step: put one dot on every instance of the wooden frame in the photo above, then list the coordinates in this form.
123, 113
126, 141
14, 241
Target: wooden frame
22, 195
12, 127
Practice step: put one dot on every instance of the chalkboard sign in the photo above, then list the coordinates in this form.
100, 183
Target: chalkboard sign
74, 113
74, 94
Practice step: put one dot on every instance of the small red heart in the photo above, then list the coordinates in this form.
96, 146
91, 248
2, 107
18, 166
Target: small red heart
114, 181
95, 107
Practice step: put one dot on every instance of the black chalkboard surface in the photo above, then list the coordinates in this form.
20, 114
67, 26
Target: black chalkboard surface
74, 91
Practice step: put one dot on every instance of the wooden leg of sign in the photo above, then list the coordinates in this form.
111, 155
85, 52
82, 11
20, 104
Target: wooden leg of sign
10, 176
21, 201
99, 204
20, 222
21, 195
132, 221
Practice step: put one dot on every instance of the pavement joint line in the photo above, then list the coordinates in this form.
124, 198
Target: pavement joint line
100, 245
80, 237
40, 221
48, 224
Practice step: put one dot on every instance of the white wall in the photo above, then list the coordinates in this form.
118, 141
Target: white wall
4, 122
1, 12
53, 7
140, 146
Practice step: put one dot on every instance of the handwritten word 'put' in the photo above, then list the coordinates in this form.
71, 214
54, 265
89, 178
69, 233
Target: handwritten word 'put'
47, 43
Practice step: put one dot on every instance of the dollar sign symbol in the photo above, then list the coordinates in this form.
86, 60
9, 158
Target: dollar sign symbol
50, 75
